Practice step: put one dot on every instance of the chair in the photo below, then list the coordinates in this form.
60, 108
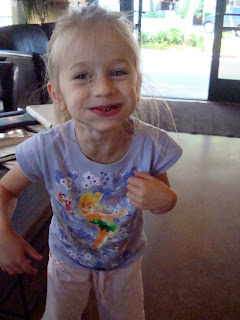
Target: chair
9, 86
48, 28
25, 46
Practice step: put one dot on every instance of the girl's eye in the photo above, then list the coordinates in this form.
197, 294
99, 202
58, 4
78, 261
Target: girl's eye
118, 73
82, 76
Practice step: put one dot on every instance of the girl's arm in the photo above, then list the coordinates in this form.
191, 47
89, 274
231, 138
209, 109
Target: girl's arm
13, 248
151, 193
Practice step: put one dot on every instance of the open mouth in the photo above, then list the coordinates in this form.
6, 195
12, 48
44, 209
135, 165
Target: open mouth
109, 110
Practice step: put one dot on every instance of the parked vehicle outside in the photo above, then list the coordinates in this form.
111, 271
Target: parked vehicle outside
229, 21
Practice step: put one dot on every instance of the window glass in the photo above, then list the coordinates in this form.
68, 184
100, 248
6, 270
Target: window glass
113, 5
5, 13
232, 21
229, 62
177, 40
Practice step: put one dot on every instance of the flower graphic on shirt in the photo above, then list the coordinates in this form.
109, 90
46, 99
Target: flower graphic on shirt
109, 208
117, 208
90, 180
107, 193
84, 235
66, 181
105, 178
63, 234
87, 256
113, 209
129, 174
72, 254
121, 183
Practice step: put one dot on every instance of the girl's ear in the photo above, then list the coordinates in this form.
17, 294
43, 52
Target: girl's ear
56, 98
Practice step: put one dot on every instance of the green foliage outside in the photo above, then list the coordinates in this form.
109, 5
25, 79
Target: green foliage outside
182, 12
154, 14
199, 11
169, 39
36, 8
184, 9
196, 41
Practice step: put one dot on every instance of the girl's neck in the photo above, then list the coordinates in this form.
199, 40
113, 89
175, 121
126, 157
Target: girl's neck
106, 147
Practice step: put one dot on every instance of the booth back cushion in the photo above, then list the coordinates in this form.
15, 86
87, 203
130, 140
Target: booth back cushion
25, 38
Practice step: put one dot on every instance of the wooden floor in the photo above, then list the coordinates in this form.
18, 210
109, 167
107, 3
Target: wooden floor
191, 268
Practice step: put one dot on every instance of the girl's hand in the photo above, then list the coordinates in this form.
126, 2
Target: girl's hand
13, 249
149, 193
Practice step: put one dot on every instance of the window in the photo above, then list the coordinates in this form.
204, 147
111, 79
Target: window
176, 49
5, 13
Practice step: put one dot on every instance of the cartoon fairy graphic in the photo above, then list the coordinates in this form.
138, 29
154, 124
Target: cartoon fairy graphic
67, 182
89, 203
62, 198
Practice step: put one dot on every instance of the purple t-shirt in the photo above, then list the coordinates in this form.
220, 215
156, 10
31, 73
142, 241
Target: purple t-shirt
93, 223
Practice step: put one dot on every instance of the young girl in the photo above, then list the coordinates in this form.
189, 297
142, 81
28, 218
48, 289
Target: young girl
101, 169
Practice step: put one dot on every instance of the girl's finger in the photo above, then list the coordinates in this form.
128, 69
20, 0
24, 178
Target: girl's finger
12, 271
26, 266
17, 269
133, 189
133, 200
134, 204
143, 175
133, 181
31, 251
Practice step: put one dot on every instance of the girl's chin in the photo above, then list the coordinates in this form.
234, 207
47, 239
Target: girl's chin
102, 125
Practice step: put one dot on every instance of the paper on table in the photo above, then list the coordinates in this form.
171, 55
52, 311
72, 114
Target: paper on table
7, 153
43, 113
9, 164
14, 137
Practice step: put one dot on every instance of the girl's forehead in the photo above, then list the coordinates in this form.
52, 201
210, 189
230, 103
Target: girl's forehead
94, 42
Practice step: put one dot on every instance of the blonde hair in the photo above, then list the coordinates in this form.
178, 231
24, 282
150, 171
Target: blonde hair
90, 199
86, 19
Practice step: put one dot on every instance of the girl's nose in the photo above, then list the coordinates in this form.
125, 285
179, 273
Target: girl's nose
103, 87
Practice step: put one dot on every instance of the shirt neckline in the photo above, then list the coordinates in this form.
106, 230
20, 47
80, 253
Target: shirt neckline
78, 155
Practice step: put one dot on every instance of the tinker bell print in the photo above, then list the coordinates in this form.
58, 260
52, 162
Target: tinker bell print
89, 203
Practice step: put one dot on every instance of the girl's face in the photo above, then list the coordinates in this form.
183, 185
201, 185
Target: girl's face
98, 82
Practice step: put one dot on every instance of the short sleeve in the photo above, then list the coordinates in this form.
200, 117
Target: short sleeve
166, 154
28, 155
